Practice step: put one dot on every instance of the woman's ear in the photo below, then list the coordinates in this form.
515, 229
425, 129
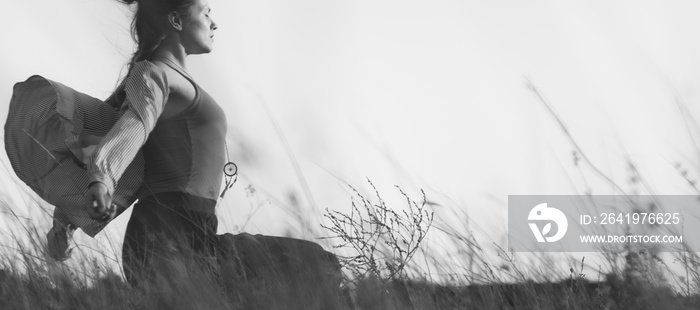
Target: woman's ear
175, 21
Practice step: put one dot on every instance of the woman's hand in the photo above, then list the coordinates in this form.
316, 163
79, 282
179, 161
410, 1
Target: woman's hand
102, 208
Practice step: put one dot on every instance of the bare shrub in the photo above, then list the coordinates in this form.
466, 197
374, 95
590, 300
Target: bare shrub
384, 240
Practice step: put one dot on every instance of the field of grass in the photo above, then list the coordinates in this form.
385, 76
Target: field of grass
50, 286
380, 274
388, 262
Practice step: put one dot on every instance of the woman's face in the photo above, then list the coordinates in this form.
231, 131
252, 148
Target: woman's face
198, 29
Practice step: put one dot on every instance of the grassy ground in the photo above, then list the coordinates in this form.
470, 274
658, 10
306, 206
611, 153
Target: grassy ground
378, 276
60, 290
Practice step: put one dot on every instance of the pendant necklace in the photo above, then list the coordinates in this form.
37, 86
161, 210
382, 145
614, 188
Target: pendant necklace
231, 173
230, 168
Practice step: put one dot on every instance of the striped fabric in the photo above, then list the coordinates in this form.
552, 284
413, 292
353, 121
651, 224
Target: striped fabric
54, 140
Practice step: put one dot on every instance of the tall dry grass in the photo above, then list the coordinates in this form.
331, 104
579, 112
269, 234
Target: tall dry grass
382, 275
389, 263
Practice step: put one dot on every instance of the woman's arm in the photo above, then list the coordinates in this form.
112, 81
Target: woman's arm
111, 158
146, 93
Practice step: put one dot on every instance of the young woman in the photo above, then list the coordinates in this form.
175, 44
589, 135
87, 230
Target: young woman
159, 138
179, 128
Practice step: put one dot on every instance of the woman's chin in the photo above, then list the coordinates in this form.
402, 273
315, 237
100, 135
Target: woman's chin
200, 50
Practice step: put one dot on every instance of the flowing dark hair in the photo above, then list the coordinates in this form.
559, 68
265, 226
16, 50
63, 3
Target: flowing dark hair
149, 27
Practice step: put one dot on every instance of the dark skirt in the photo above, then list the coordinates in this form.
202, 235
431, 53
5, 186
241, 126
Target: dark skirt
166, 227
255, 271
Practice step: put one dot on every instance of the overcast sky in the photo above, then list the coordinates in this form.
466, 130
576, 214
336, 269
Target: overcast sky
421, 94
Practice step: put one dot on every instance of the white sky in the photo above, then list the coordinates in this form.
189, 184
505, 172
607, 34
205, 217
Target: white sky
422, 94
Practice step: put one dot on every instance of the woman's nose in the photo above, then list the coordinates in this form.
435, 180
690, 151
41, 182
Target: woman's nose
214, 26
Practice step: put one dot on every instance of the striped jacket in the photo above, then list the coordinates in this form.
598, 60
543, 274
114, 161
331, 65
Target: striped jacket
59, 140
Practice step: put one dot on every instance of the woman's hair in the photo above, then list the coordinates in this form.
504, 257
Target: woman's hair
148, 29
150, 24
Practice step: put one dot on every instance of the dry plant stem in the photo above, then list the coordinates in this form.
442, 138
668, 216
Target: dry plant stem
688, 120
290, 153
384, 241
511, 261
571, 139
52, 157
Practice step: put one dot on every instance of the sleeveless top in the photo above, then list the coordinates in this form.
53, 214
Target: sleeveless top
186, 152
